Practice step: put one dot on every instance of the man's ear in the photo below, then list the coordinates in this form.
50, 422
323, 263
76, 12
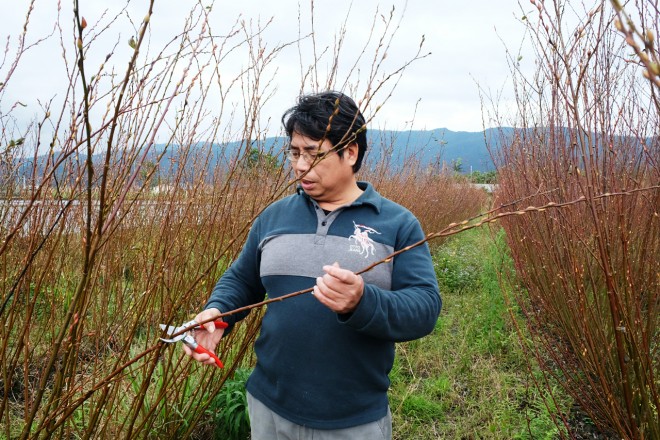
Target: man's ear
351, 153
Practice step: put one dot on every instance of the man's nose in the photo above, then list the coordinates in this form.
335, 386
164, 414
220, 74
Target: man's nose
300, 164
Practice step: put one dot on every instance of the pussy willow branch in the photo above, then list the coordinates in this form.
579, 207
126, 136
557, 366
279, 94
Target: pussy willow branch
115, 120
451, 229
626, 26
87, 257
21, 48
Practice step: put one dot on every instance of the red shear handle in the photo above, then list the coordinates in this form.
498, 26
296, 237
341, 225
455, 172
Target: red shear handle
199, 349
217, 323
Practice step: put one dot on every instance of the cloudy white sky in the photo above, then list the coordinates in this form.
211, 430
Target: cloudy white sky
467, 43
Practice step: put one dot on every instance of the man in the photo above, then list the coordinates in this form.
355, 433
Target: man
323, 359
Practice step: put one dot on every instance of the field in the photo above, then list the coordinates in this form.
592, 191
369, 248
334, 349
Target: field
120, 207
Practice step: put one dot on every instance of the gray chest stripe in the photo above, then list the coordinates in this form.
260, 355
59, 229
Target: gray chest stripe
306, 254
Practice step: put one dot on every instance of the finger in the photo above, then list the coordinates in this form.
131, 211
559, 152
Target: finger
343, 275
333, 268
324, 299
202, 358
319, 287
339, 285
329, 285
206, 315
324, 286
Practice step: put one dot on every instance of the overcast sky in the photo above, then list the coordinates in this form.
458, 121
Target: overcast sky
467, 42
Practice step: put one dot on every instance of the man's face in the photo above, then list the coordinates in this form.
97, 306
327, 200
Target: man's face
329, 178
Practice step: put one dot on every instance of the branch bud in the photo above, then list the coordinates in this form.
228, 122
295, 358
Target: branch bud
652, 70
618, 25
649, 37
655, 69
83, 23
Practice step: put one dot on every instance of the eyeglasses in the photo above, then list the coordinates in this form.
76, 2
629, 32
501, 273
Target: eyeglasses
308, 156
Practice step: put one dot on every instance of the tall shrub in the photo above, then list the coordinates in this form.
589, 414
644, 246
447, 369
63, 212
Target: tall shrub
587, 135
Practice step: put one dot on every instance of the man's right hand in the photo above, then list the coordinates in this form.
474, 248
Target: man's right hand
208, 338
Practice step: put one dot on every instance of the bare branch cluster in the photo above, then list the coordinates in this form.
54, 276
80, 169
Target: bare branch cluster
587, 125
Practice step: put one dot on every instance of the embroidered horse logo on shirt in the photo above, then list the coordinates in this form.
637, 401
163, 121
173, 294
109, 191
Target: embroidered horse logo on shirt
363, 243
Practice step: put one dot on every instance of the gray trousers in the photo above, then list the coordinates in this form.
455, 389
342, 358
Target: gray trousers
266, 425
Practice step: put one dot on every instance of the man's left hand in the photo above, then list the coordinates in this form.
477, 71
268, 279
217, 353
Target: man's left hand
339, 289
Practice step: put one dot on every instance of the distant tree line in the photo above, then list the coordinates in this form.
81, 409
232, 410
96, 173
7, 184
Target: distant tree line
483, 176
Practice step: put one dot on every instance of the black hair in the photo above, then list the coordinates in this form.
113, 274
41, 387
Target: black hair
328, 115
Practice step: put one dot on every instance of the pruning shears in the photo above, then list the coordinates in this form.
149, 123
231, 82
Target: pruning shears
189, 339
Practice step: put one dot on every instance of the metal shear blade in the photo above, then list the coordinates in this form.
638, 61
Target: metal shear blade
189, 340
170, 330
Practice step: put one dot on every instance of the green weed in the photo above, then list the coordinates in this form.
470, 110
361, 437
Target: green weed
469, 378
457, 267
229, 408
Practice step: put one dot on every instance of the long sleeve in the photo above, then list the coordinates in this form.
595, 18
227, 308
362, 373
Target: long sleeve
410, 309
240, 285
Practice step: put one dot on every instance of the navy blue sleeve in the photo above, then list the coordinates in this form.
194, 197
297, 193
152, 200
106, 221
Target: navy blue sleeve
241, 284
410, 310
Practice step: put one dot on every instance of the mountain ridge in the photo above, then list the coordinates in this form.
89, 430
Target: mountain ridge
427, 146
437, 146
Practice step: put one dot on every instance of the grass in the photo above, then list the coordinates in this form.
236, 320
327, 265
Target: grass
229, 408
469, 379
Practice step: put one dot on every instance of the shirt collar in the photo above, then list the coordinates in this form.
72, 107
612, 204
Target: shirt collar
369, 197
